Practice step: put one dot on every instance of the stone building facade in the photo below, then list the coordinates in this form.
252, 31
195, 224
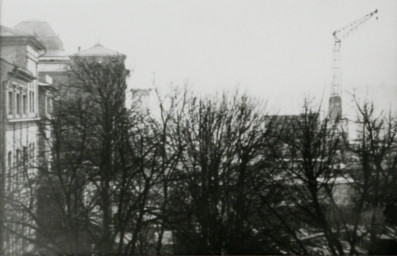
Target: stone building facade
49, 73
33, 66
19, 92
52, 68
34, 71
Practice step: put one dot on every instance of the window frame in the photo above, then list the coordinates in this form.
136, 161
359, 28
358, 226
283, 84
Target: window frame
24, 104
10, 102
18, 103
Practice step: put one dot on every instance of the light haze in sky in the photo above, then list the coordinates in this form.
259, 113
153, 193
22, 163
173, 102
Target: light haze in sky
279, 51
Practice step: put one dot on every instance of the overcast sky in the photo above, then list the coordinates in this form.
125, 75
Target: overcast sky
277, 50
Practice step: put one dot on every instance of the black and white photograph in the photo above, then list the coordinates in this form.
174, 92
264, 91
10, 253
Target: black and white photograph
198, 127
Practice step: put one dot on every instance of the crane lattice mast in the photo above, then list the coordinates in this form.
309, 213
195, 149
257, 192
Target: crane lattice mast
335, 108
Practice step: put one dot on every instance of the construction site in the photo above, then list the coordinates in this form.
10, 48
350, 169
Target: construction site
198, 129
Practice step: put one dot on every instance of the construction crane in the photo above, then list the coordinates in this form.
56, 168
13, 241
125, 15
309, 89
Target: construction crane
335, 101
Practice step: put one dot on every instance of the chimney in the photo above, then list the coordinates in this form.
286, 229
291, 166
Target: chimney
78, 48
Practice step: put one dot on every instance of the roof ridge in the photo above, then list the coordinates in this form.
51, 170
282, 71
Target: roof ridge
32, 27
13, 31
98, 50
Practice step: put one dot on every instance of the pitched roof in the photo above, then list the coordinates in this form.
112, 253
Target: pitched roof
44, 33
98, 50
5, 31
12, 35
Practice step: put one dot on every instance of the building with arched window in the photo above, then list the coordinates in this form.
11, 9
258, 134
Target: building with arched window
33, 65
19, 100
34, 71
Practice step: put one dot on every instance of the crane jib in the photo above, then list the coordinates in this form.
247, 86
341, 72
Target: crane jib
349, 28
335, 103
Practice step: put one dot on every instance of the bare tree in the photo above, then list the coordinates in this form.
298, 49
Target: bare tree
222, 140
373, 157
305, 156
217, 173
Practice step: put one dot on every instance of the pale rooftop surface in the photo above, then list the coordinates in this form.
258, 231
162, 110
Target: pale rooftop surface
44, 33
98, 50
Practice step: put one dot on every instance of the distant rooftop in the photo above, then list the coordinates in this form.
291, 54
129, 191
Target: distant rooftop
98, 50
44, 34
13, 35
5, 31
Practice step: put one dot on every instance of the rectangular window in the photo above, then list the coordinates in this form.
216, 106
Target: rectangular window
24, 103
10, 103
48, 105
18, 157
33, 102
18, 104
30, 102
